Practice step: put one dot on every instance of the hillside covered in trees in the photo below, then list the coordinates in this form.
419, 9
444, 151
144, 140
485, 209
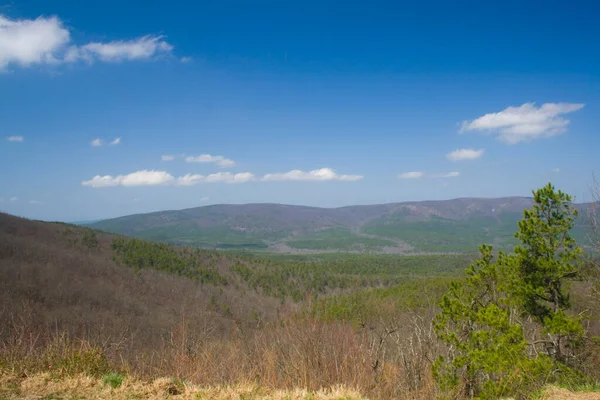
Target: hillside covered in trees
80, 301
458, 225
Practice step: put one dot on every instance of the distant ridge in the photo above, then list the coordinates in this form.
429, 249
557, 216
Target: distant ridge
88, 222
455, 225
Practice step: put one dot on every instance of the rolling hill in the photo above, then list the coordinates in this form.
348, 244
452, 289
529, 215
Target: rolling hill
58, 276
457, 225
79, 301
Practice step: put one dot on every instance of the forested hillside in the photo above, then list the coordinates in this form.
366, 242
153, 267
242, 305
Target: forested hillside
156, 309
65, 276
458, 225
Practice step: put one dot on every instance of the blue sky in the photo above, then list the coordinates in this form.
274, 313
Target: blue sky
317, 103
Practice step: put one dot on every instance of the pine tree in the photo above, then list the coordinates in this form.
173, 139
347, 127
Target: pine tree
548, 258
482, 319
479, 323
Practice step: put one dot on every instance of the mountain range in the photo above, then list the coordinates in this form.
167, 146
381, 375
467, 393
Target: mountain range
457, 225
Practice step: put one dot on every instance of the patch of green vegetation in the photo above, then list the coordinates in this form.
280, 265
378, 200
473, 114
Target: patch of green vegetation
190, 234
297, 277
294, 280
113, 379
340, 239
372, 264
439, 234
89, 238
139, 254
380, 302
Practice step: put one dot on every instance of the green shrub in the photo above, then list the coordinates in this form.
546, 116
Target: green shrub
90, 361
89, 238
113, 379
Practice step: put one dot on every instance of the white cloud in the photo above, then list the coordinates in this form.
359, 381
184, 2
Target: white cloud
31, 41
207, 158
524, 123
116, 141
240, 177
138, 178
27, 42
167, 157
204, 198
226, 177
14, 198
185, 59
464, 154
96, 142
323, 174
411, 175
142, 48
15, 138
36, 202
157, 178
419, 174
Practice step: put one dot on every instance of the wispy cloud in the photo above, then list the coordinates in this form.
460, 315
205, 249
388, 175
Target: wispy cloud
158, 178
524, 123
323, 174
167, 157
45, 40
225, 177
204, 198
411, 175
207, 158
420, 174
36, 202
185, 59
98, 142
464, 154
15, 138
143, 48
14, 198
556, 170
445, 175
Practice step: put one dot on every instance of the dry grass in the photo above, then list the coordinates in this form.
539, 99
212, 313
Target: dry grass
47, 386
293, 354
555, 393
81, 386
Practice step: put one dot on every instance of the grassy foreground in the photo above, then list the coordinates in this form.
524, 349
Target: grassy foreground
47, 386
44, 386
